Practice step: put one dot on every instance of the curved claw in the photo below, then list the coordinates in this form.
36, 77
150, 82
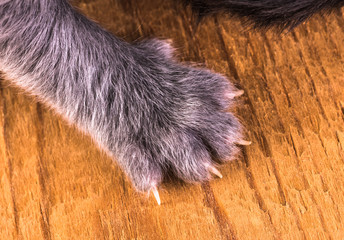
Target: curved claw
244, 142
235, 94
156, 194
215, 171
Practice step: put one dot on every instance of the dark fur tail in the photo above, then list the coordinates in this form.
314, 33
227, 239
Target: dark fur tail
284, 14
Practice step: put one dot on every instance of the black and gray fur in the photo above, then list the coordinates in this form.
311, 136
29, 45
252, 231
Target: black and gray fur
138, 103
282, 14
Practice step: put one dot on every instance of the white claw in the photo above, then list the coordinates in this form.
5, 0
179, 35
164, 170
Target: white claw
244, 142
215, 171
235, 94
156, 194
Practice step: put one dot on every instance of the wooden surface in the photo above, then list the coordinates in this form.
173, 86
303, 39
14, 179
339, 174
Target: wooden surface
55, 184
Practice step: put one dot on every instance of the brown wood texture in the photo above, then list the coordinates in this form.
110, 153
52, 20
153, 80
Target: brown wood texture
289, 184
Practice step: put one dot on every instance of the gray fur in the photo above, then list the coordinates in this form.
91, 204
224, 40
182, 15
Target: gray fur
136, 101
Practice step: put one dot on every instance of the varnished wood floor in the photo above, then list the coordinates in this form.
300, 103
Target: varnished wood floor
55, 184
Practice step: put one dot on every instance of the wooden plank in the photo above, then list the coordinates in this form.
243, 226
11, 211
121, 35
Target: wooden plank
20, 160
56, 184
7, 219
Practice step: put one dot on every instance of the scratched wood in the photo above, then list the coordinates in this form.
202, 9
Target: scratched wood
55, 183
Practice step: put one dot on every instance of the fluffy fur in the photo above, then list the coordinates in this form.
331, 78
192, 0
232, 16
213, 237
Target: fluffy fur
283, 14
137, 102
149, 112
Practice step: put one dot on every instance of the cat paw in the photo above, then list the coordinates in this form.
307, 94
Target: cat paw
177, 120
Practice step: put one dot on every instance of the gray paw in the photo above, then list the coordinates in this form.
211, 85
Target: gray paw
178, 119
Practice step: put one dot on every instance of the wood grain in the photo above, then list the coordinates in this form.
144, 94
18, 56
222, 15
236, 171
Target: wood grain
56, 184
